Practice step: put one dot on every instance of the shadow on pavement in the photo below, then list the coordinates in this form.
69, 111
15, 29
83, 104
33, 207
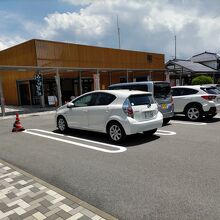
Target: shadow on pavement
130, 141
183, 118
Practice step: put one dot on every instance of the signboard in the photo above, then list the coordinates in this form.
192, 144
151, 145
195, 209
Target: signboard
38, 85
52, 100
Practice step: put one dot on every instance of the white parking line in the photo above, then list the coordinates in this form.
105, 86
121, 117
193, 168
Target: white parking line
119, 148
163, 132
188, 123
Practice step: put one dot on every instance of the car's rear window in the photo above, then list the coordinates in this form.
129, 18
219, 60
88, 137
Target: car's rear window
141, 99
162, 90
211, 90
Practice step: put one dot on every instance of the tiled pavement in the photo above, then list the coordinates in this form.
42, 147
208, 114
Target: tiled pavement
23, 196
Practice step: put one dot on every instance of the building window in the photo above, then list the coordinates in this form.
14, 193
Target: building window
149, 58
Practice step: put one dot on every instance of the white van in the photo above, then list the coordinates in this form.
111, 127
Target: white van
161, 91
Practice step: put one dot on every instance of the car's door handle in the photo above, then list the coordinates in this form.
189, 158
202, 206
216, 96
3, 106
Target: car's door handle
85, 110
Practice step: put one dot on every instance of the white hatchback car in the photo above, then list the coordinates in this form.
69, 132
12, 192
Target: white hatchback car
115, 112
196, 101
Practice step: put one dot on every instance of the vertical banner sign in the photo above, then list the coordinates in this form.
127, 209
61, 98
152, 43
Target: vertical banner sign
39, 85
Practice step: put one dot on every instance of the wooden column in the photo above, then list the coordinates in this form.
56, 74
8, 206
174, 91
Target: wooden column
59, 93
2, 99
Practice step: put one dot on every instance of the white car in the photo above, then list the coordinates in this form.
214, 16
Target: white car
196, 101
115, 112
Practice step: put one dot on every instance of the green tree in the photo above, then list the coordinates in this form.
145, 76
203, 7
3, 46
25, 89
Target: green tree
199, 80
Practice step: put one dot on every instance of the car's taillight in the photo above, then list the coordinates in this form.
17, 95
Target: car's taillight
208, 97
128, 109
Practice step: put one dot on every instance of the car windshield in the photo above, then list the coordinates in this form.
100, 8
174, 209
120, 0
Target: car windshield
162, 90
141, 99
211, 90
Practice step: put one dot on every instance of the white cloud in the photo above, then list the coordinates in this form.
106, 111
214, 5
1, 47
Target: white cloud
7, 41
78, 2
148, 25
79, 25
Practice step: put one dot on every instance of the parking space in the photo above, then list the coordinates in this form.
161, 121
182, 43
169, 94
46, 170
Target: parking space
146, 177
76, 141
86, 143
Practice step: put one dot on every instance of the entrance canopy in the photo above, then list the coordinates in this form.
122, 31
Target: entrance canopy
187, 67
57, 70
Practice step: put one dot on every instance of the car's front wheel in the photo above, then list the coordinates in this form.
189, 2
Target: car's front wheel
116, 132
193, 113
62, 124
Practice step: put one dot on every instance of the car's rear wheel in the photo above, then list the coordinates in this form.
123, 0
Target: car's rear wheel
62, 124
116, 132
150, 132
193, 113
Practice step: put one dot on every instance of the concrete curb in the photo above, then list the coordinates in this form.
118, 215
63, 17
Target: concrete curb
63, 193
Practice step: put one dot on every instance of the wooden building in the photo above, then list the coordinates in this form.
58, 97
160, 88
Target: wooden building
80, 69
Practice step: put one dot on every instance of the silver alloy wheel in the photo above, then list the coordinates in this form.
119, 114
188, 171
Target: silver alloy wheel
61, 124
115, 132
193, 113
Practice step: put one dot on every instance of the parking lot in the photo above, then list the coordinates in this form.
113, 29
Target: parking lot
173, 174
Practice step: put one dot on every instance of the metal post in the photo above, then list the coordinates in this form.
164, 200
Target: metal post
150, 75
58, 87
2, 99
110, 77
127, 76
181, 74
175, 47
119, 37
97, 80
42, 99
80, 83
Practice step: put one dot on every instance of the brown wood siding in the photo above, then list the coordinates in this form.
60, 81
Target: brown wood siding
48, 53
10, 79
21, 55
72, 55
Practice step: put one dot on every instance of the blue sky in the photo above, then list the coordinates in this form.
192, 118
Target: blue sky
146, 25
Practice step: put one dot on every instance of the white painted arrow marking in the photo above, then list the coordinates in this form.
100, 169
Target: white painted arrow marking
188, 123
166, 133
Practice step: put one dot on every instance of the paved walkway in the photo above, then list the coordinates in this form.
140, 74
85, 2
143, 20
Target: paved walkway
12, 110
23, 196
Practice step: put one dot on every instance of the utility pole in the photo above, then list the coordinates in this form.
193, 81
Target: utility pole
175, 46
119, 37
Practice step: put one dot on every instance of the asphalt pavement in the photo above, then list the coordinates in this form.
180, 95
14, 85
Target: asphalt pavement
173, 174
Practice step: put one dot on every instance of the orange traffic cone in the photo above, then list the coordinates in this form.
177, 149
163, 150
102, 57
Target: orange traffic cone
17, 125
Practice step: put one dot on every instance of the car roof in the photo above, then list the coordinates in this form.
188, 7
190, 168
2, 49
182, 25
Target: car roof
187, 86
195, 86
138, 83
122, 92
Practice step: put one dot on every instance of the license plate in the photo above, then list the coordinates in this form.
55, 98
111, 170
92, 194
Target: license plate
148, 114
164, 106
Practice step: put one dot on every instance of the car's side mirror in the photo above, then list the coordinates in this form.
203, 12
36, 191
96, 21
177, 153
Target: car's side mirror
70, 105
